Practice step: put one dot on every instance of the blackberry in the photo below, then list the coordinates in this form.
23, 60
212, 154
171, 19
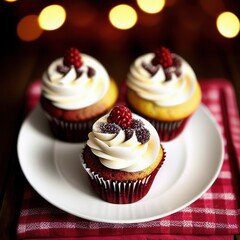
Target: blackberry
91, 72
137, 124
63, 69
177, 64
79, 73
143, 135
152, 69
168, 73
128, 133
109, 128
175, 68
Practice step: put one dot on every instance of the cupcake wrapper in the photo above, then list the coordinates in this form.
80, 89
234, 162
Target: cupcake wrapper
70, 131
121, 192
168, 131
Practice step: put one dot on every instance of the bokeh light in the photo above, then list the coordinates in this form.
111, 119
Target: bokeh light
151, 6
123, 16
10, 0
52, 17
228, 24
28, 28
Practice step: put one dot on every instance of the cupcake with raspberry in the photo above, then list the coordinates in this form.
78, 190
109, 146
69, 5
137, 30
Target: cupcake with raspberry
76, 90
163, 88
122, 156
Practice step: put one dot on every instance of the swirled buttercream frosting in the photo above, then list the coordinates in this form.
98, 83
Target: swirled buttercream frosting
164, 78
73, 87
131, 149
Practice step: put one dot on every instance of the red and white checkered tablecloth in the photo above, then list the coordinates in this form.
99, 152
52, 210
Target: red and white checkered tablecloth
215, 215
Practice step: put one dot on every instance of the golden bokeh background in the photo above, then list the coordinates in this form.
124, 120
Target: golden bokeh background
123, 29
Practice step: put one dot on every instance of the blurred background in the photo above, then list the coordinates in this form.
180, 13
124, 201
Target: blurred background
117, 31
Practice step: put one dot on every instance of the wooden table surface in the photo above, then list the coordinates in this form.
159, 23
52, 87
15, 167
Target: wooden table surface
210, 55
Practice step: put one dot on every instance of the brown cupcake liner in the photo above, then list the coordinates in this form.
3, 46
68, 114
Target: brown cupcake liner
121, 192
70, 131
168, 131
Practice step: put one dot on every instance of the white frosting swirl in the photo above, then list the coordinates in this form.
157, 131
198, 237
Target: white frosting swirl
154, 88
116, 153
68, 91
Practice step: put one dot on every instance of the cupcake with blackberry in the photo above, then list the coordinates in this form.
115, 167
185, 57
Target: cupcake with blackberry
76, 90
122, 156
163, 88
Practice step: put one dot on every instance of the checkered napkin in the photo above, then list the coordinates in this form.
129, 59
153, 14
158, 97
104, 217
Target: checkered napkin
215, 213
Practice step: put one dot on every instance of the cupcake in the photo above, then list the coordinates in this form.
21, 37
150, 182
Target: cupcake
76, 90
122, 156
163, 88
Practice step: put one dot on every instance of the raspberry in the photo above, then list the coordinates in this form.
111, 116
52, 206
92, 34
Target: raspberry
120, 115
72, 57
163, 56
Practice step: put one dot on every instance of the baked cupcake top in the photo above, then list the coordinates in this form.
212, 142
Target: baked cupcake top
75, 81
124, 141
162, 77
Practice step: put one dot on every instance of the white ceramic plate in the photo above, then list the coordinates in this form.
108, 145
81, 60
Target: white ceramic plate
54, 170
